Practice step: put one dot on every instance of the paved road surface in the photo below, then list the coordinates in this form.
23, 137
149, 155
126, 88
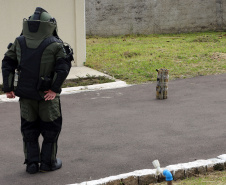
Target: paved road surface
117, 131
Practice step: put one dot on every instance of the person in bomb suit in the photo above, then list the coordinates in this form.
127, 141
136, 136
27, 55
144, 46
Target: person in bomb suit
34, 69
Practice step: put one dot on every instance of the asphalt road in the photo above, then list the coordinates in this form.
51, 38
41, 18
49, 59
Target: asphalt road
109, 132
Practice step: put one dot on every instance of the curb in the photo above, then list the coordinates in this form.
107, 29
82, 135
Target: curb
104, 86
179, 171
79, 89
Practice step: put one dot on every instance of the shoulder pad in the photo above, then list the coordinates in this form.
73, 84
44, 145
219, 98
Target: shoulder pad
69, 51
9, 46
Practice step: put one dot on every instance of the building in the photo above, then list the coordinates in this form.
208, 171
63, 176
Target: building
70, 16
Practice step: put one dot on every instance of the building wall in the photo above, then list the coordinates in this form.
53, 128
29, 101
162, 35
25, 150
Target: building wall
119, 17
69, 14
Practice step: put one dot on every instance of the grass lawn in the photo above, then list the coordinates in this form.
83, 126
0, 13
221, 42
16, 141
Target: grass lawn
134, 58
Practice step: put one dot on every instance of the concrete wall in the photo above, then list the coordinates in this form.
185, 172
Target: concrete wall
70, 16
119, 17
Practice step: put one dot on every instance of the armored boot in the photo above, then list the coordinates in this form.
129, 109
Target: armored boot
32, 156
31, 134
32, 168
49, 162
57, 164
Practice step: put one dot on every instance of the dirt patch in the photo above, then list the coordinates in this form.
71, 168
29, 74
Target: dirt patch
219, 56
128, 54
1, 86
89, 80
205, 39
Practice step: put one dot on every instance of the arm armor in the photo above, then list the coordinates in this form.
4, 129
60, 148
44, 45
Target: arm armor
62, 69
8, 70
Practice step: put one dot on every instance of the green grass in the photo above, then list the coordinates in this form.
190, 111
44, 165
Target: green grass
134, 58
215, 178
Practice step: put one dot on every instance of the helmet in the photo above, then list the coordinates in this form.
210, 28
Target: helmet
40, 15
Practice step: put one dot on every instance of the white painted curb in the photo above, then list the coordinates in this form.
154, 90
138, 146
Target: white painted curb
111, 85
73, 90
173, 168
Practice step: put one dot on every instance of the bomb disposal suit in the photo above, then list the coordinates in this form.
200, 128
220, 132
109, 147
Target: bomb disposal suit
38, 62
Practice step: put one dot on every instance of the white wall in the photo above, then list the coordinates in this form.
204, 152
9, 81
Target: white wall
70, 16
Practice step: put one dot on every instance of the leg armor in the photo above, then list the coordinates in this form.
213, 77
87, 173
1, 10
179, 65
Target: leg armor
30, 130
50, 127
